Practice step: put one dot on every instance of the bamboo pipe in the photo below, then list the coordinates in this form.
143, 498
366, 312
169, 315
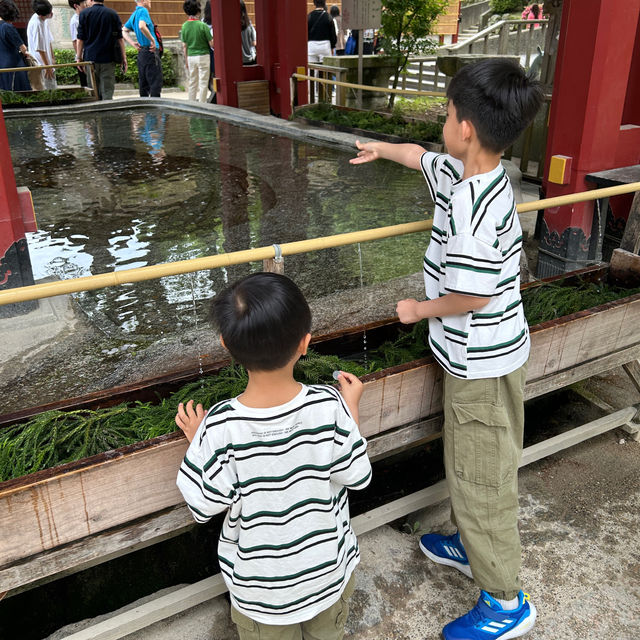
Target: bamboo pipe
98, 281
301, 76
126, 276
48, 66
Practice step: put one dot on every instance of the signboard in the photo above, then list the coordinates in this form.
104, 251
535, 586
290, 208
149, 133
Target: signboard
447, 24
361, 14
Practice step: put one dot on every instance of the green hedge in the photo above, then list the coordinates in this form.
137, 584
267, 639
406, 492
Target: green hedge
68, 75
392, 125
506, 6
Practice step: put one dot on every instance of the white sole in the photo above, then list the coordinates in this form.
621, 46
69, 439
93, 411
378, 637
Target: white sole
463, 568
524, 627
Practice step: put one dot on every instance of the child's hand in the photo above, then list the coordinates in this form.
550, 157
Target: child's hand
189, 418
351, 389
407, 311
368, 152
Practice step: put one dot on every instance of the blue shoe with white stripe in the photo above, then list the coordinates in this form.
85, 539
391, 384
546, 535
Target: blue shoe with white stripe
489, 620
446, 550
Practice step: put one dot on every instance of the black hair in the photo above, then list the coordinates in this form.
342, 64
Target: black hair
334, 11
42, 7
8, 11
535, 10
320, 4
75, 3
245, 21
190, 7
498, 98
206, 15
262, 319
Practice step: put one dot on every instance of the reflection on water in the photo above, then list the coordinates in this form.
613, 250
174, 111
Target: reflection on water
127, 189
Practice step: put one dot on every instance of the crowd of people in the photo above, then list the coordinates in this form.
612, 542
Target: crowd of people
326, 35
98, 36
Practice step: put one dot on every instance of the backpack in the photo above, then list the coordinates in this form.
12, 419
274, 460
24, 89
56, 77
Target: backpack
156, 33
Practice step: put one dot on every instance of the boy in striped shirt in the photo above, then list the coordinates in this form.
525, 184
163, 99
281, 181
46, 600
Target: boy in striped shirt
278, 459
478, 334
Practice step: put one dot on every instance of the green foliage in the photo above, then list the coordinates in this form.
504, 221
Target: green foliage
405, 27
372, 121
69, 75
55, 437
66, 75
48, 96
555, 300
131, 77
506, 6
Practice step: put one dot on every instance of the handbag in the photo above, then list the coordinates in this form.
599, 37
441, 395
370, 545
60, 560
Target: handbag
350, 46
35, 75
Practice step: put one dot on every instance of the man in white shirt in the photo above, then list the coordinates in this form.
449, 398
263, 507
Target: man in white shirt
40, 40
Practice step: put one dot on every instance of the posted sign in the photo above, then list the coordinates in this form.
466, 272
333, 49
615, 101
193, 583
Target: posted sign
361, 14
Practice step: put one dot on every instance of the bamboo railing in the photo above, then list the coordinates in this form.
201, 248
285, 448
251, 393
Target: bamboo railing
126, 276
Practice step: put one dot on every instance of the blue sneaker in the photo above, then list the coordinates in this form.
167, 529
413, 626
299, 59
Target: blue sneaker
446, 550
489, 620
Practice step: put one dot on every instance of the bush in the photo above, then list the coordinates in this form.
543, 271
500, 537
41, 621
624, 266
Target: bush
393, 125
506, 6
68, 75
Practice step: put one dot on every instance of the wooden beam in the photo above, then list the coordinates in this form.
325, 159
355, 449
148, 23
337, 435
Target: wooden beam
94, 550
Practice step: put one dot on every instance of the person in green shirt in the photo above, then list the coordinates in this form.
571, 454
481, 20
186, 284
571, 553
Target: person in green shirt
196, 42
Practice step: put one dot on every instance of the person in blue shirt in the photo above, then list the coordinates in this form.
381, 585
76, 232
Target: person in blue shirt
149, 64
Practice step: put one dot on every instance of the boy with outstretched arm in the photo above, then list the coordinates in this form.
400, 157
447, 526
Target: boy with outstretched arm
278, 459
478, 334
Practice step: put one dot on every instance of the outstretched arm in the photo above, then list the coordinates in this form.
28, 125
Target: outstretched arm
407, 154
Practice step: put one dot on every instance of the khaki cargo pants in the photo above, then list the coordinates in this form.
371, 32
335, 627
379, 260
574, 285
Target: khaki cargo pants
327, 625
483, 429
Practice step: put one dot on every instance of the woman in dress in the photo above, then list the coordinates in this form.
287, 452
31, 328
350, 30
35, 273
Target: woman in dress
13, 51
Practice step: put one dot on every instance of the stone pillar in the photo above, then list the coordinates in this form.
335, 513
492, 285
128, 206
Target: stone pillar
59, 24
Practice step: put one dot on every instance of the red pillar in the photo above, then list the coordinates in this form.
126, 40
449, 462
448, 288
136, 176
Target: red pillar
15, 265
282, 48
227, 46
594, 119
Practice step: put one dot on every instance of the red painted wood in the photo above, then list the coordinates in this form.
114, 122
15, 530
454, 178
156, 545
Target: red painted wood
11, 225
597, 51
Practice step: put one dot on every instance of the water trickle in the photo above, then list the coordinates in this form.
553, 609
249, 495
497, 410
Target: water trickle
195, 323
364, 333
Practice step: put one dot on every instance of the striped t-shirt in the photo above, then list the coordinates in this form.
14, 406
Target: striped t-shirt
475, 250
286, 548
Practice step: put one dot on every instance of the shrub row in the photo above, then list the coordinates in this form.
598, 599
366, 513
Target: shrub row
68, 75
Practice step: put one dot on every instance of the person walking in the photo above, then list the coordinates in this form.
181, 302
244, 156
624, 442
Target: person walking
40, 41
149, 63
77, 6
197, 42
99, 36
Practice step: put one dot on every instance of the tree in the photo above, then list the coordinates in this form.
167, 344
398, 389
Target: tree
406, 25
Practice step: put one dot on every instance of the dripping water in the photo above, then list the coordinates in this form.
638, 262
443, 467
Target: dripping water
364, 333
195, 323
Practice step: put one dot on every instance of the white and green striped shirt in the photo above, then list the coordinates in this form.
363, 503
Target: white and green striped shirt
475, 250
286, 548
